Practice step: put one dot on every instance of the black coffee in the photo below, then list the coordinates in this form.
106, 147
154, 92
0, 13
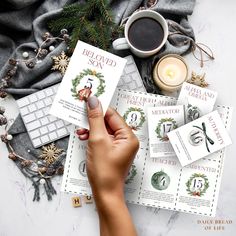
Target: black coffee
146, 34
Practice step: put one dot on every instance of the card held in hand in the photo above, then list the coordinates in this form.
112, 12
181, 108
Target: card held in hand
91, 72
199, 138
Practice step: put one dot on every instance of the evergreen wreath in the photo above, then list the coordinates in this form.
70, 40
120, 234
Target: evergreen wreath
158, 128
142, 119
76, 81
200, 192
91, 22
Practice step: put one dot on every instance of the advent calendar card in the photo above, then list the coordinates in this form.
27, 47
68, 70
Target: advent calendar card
162, 120
91, 72
199, 138
196, 100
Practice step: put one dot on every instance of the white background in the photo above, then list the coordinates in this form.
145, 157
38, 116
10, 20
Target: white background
214, 25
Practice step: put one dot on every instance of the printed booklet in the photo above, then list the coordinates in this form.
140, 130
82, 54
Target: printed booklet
158, 181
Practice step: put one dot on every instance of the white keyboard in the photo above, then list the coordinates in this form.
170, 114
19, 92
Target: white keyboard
44, 128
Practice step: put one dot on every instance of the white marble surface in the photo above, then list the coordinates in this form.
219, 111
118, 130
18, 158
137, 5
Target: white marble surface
214, 25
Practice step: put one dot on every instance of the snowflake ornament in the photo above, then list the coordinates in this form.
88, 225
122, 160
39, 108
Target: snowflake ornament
61, 62
50, 153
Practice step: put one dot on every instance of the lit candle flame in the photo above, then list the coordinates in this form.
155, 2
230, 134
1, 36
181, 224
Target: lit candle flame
170, 73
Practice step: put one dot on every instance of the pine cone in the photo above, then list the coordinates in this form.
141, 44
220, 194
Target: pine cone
60, 170
3, 94
12, 156
30, 64
26, 163
4, 138
12, 61
66, 37
3, 120
43, 53
12, 72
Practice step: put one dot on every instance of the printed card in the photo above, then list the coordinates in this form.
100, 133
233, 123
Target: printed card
199, 138
196, 100
91, 72
162, 120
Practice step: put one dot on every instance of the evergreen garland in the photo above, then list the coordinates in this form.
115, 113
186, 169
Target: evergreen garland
91, 22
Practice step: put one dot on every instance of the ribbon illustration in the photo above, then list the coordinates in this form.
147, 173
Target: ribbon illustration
207, 138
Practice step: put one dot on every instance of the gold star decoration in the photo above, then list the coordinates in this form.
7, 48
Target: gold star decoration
61, 62
50, 153
198, 80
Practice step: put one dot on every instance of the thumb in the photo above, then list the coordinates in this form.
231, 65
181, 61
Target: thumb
95, 118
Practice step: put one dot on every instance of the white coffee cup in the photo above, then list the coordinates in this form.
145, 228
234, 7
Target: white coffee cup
124, 43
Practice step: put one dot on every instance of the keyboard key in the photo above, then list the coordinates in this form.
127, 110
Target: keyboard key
46, 110
39, 114
127, 79
32, 108
41, 95
36, 142
40, 104
53, 136
44, 121
24, 111
49, 92
138, 81
43, 130
62, 132
48, 101
59, 124
23, 102
34, 134
52, 118
29, 118
45, 139
130, 69
51, 127
33, 98
33, 125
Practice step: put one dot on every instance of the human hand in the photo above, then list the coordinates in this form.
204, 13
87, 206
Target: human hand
110, 151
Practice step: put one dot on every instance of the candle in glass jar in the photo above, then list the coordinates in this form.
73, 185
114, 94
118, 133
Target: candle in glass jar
170, 72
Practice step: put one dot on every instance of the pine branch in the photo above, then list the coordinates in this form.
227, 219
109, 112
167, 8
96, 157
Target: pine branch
91, 22
64, 22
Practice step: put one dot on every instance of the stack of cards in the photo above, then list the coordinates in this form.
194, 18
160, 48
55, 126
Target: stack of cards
203, 135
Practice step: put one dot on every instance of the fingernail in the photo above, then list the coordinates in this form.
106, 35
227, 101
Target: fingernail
93, 102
